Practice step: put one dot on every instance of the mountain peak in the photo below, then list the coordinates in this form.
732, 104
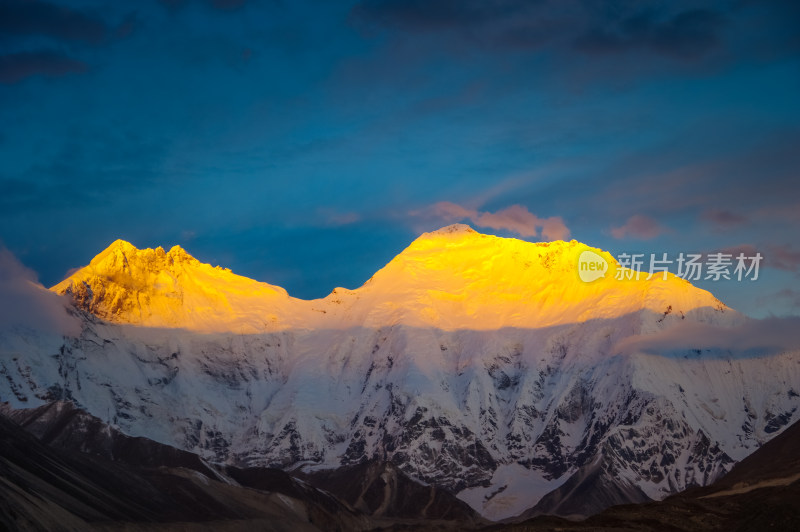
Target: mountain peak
122, 255
452, 230
451, 278
457, 278
446, 237
122, 245
177, 253
169, 289
118, 246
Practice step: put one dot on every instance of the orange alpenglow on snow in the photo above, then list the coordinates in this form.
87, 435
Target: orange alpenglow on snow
453, 278
155, 288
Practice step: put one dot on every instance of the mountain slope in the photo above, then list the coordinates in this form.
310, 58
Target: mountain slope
776, 463
476, 364
57, 488
760, 493
381, 490
75, 435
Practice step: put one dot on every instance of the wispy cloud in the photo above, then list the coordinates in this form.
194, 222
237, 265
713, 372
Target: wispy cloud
749, 250
789, 296
336, 218
783, 257
675, 29
640, 227
17, 67
27, 303
687, 34
23, 22
768, 335
716, 185
723, 219
789, 212
516, 218
222, 5
32, 17
776, 256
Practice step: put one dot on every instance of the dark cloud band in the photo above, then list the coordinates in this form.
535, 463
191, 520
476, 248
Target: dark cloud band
17, 67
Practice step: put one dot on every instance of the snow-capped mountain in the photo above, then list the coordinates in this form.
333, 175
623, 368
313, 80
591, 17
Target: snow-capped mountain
480, 364
453, 278
173, 289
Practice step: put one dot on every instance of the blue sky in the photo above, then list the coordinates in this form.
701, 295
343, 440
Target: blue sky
306, 143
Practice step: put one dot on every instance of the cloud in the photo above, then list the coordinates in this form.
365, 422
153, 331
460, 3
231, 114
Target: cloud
93, 165
747, 177
640, 227
791, 297
17, 67
21, 20
766, 336
33, 17
422, 15
585, 27
335, 218
222, 5
228, 4
686, 34
748, 250
723, 219
783, 257
785, 213
515, 218
779, 257
451, 211
27, 303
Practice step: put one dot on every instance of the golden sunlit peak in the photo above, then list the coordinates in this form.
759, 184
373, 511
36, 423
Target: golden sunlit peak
454, 234
122, 244
458, 278
117, 246
126, 251
179, 254
454, 277
451, 230
171, 289
460, 231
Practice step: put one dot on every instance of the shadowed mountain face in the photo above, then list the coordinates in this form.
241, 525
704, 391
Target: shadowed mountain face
62, 426
760, 493
381, 490
591, 489
778, 459
137, 481
89, 472
56, 487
